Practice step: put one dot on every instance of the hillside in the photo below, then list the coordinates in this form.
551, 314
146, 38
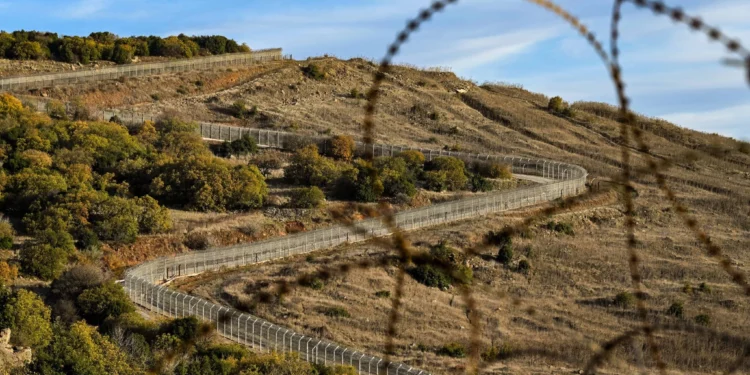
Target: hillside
574, 277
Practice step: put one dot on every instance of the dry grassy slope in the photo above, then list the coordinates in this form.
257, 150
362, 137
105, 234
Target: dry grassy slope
573, 278
517, 123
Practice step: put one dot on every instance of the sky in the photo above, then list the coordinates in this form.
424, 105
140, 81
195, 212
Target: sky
670, 71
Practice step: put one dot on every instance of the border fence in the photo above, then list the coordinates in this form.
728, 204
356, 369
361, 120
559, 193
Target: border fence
145, 283
138, 70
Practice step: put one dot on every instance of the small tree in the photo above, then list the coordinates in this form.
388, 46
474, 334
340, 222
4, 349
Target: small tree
676, 310
29, 318
42, 260
311, 197
414, 159
624, 300
435, 181
56, 110
101, 302
8, 273
6, 234
454, 169
555, 104
524, 267
341, 147
505, 253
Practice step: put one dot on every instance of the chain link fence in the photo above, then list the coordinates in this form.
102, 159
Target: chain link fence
145, 283
138, 70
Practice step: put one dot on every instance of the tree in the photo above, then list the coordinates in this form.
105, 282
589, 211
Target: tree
56, 110
435, 180
555, 104
8, 273
311, 197
104, 301
360, 183
80, 349
6, 234
248, 187
414, 159
122, 53
494, 170
26, 314
75, 280
153, 218
115, 219
396, 176
341, 147
307, 167
454, 169
43, 260
28, 51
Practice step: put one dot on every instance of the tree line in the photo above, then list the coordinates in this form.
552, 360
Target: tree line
37, 45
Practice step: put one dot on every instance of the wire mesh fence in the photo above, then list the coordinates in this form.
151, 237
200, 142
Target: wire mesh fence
145, 283
138, 70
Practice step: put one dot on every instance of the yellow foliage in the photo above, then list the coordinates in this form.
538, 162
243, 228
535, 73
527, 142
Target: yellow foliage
10, 105
8, 273
37, 159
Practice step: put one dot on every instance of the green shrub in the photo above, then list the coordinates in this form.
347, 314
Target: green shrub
116, 119
676, 310
454, 169
524, 267
6, 234
186, 329
361, 183
396, 176
103, 301
505, 241
435, 181
156, 96
494, 352
624, 300
307, 167
414, 159
239, 110
199, 83
43, 260
560, 227
311, 197
25, 313
453, 350
56, 110
703, 320
313, 71
494, 170
555, 104
383, 294
355, 94
312, 282
480, 184
431, 276
687, 288
336, 312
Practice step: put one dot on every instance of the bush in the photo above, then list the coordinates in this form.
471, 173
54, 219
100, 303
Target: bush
355, 94
27, 316
676, 310
75, 280
397, 178
313, 71
494, 170
743, 147
383, 294
559, 227
116, 219
336, 312
624, 300
454, 350
703, 320
80, 111
156, 97
435, 181
555, 104
103, 301
152, 218
494, 353
186, 329
454, 170
43, 260
360, 183
414, 159
56, 110
505, 241
311, 197
6, 234
704, 288
480, 184
312, 282
199, 83
341, 147
524, 267
268, 161
197, 241
240, 110
431, 276
8, 273
307, 167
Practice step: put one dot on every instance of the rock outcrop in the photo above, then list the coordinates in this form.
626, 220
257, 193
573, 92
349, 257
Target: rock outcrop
10, 356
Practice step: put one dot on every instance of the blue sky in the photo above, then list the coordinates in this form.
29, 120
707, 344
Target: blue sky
671, 72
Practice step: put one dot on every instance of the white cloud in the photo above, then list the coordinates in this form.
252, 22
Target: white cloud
85, 8
732, 121
484, 50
